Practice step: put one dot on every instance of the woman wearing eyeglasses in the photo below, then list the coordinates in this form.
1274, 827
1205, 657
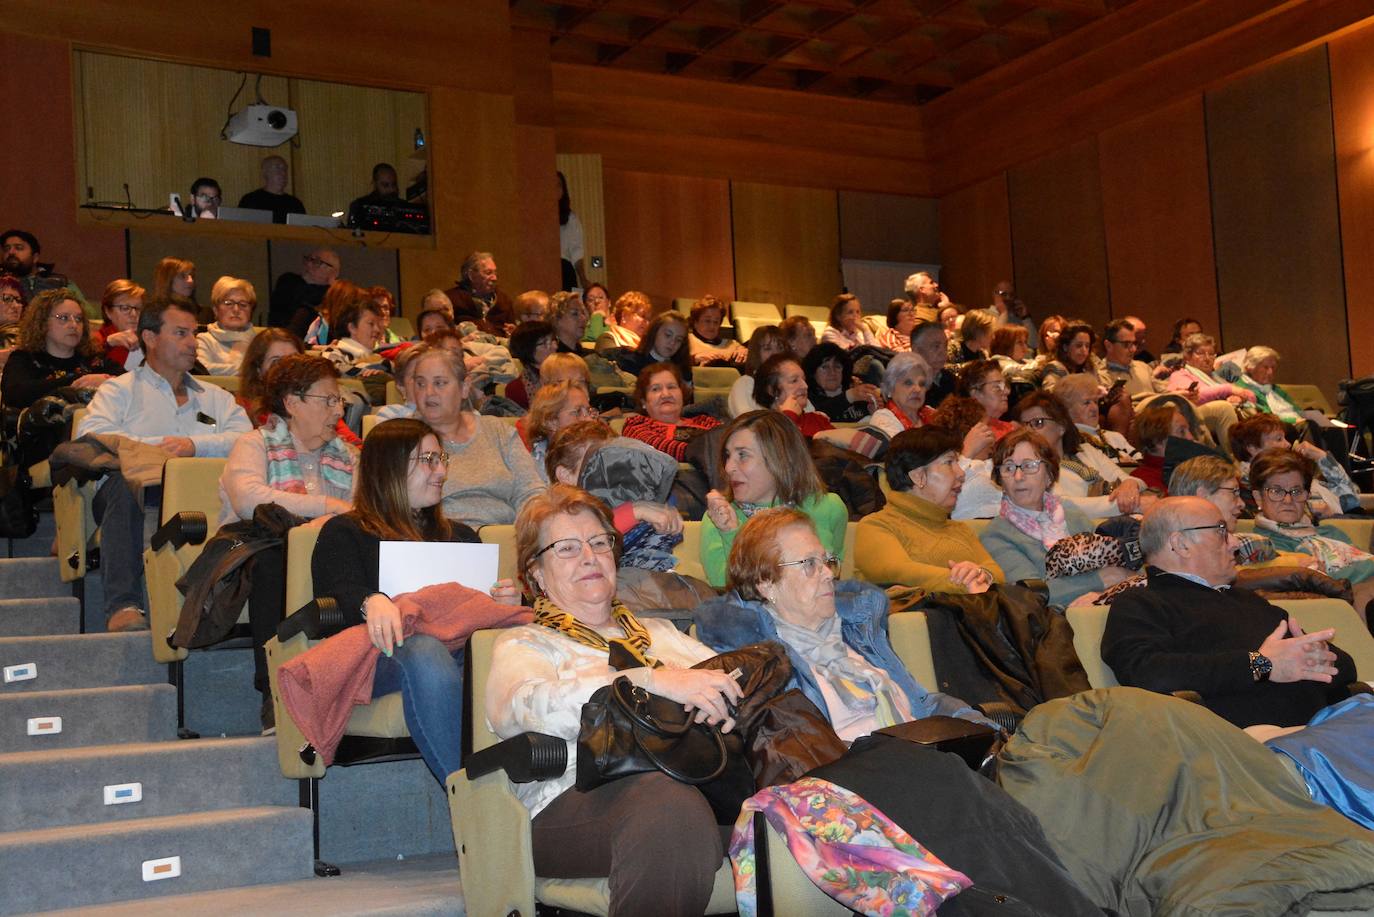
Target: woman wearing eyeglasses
121, 304
1032, 519
54, 351
221, 346
984, 382
656, 839
400, 489
555, 407
296, 460
1079, 484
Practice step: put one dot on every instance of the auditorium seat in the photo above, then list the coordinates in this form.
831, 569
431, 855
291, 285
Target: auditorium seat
708, 377
762, 310
814, 313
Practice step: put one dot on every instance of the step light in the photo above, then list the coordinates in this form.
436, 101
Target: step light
165, 868
24, 671
119, 793
45, 725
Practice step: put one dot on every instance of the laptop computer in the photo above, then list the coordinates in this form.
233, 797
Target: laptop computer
245, 214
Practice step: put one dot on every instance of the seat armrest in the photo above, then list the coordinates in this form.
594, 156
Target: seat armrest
491, 832
317, 620
525, 758
182, 529
290, 741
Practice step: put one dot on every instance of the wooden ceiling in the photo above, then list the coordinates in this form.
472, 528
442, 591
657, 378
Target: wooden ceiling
896, 50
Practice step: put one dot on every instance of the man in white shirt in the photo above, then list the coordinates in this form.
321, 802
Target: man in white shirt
158, 403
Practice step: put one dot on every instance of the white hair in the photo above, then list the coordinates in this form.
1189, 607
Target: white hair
902, 365
913, 283
1257, 355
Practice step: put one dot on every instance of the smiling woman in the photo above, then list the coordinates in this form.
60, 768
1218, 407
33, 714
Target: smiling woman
659, 391
54, 352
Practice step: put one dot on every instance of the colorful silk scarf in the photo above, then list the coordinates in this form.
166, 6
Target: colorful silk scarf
1046, 526
283, 461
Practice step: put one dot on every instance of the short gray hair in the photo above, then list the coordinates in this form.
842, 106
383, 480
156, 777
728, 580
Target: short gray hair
1194, 342
902, 365
472, 260
1076, 384
913, 284
1257, 355
1206, 473
1162, 520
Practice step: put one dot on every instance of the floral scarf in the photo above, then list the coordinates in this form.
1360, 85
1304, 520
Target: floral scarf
1046, 526
635, 642
283, 461
1332, 552
850, 850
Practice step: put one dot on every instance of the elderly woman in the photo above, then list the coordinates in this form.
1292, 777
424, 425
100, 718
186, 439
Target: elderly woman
784, 587
11, 309
491, 474
782, 387
295, 460
799, 334
400, 485
386, 302
54, 351
568, 316
1332, 490
530, 343
630, 319
1195, 378
846, 328
1073, 353
121, 304
766, 341
1281, 482
708, 345
830, 381
1078, 484
1100, 449
1032, 519
904, 395
1152, 429
764, 462
984, 382
901, 318
542, 674
353, 338
1258, 367
221, 346
912, 541
555, 407
659, 391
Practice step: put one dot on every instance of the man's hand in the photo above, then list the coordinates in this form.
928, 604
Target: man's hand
126, 339
1299, 657
179, 446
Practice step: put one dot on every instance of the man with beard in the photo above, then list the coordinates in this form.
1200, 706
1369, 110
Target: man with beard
19, 259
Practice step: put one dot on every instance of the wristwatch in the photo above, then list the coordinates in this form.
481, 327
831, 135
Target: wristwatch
1261, 666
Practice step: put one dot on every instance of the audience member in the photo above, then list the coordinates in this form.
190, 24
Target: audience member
1078, 484
629, 319
1010, 346
1190, 629
273, 195
529, 306
206, 198
765, 462
1195, 377
659, 392
781, 386
530, 343
568, 315
708, 345
930, 343
1258, 368
597, 299
901, 318
386, 307
571, 241
20, 250
846, 328
1332, 490
221, 346
1072, 354
664, 341
1154, 426
924, 293
160, 404
1010, 310
11, 308
765, 342
1048, 336
829, 370
984, 382
1142, 346
431, 321
1184, 328
903, 391
355, 330
476, 297
949, 318
296, 297
912, 541
556, 406
54, 351
975, 337
294, 460
174, 277
120, 304
1119, 349
799, 334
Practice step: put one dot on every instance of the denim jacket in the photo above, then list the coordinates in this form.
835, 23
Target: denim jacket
730, 622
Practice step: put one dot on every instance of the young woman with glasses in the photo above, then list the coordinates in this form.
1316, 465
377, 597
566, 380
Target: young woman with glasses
54, 351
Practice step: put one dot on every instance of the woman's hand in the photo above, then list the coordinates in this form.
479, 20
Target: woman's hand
864, 392
90, 380
978, 442
372, 372
126, 339
334, 506
383, 623
707, 691
1127, 495
1307, 450
664, 519
972, 577
504, 592
796, 403
721, 512
740, 355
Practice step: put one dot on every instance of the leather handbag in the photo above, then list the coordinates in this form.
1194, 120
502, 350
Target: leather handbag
971, 741
626, 730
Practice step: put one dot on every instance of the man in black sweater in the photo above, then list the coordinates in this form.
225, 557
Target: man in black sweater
1188, 629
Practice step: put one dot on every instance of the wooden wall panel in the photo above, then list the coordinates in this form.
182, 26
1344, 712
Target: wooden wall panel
1352, 101
889, 227
583, 175
668, 235
787, 243
1158, 217
1056, 232
538, 203
38, 187
214, 256
975, 241
1274, 206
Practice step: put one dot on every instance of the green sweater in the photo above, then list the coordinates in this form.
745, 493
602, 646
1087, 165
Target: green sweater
826, 510
910, 542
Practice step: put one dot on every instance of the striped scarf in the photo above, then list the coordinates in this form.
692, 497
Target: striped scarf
283, 462
635, 642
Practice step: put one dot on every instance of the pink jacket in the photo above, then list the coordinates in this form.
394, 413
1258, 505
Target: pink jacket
1182, 379
321, 686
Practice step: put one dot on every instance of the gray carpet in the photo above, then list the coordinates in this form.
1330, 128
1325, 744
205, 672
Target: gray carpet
90, 716
38, 616
371, 811
31, 578
81, 661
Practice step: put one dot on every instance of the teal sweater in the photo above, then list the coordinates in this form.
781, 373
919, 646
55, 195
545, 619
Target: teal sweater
827, 511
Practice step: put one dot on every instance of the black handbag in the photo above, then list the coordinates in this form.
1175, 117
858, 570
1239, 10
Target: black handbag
627, 730
971, 741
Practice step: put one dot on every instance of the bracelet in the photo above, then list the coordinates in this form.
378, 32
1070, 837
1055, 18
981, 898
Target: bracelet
362, 606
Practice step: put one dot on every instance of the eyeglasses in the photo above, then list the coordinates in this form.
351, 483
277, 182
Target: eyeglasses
432, 459
585, 410
236, 304
1038, 423
568, 548
63, 318
1274, 492
997, 388
1128, 344
10, 299
1218, 527
311, 259
126, 308
332, 401
810, 566
1029, 466
1233, 491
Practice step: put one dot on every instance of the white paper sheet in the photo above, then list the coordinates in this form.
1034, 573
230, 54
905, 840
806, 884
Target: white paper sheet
405, 566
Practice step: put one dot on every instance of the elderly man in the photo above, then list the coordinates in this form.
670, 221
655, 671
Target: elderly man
273, 195
159, 404
1187, 629
928, 339
19, 259
923, 290
476, 297
297, 297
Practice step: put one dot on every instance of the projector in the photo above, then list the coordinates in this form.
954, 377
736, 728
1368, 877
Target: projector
261, 125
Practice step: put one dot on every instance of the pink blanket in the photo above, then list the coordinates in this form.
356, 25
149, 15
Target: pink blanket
321, 686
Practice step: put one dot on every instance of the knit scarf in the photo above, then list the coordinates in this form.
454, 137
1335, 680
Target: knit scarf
1047, 526
635, 642
283, 462
862, 688
1332, 552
